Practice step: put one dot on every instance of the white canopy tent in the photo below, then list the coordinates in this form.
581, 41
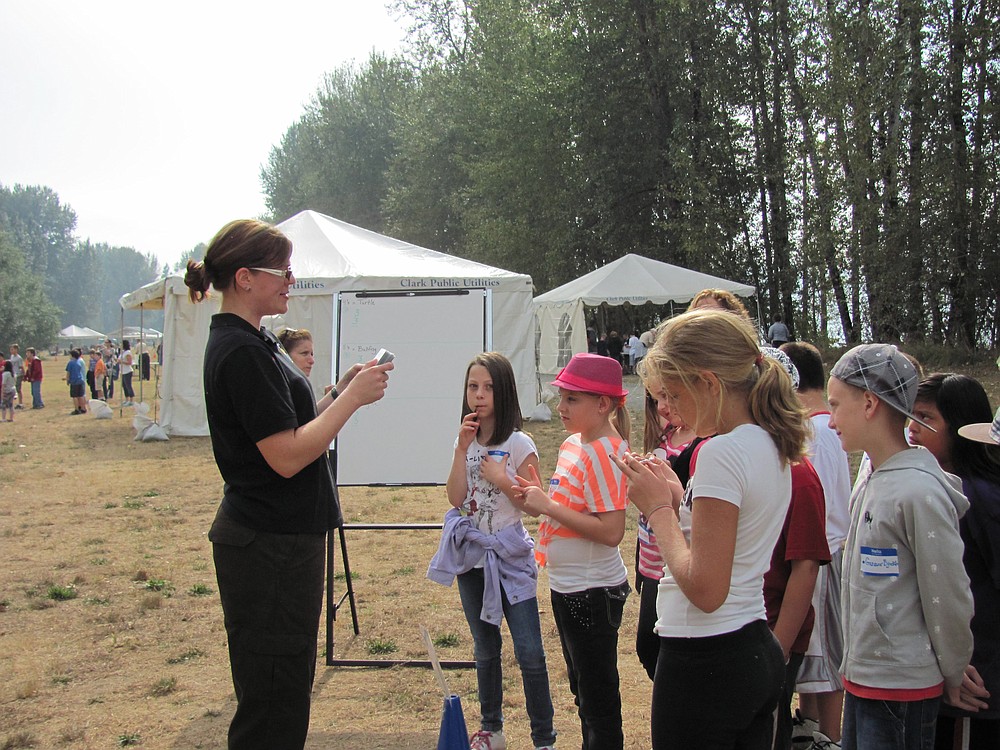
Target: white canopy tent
74, 336
331, 257
561, 325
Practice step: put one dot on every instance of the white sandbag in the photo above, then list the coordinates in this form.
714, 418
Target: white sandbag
99, 409
153, 433
145, 428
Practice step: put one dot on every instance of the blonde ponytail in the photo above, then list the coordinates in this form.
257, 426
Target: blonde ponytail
775, 407
726, 345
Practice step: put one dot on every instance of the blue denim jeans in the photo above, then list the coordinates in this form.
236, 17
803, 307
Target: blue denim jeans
36, 394
588, 623
526, 632
889, 725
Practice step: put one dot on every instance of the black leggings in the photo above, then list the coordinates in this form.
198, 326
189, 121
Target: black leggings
717, 692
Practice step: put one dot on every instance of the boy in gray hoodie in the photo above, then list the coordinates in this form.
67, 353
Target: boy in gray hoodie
905, 596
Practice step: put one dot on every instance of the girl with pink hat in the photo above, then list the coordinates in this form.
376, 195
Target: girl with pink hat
578, 539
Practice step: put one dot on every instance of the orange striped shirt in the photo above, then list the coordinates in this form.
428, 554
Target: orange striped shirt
585, 480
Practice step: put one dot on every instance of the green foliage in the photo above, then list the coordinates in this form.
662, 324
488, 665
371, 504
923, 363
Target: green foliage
381, 646
447, 640
27, 317
61, 593
335, 158
843, 159
60, 280
159, 584
187, 656
128, 739
163, 687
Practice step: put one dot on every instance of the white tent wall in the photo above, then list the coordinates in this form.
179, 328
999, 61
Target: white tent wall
561, 331
313, 305
561, 312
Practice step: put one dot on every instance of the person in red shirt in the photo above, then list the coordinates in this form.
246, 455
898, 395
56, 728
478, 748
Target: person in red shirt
33, 374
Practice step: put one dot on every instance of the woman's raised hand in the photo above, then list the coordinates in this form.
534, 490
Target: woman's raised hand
369, 383
651, 481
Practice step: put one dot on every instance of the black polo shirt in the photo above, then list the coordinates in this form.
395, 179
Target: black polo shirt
252, 391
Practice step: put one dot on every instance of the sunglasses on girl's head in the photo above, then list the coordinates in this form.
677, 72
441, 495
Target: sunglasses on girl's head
286, 272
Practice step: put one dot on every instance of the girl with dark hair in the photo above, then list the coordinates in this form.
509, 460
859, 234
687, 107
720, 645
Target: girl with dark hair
279, 498
499, 566
948, 402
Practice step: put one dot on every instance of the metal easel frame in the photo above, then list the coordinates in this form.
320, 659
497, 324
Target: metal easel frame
333, 605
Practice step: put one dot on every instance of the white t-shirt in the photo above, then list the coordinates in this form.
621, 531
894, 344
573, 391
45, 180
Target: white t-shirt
741, 467
831, 463
491, 510
125, 360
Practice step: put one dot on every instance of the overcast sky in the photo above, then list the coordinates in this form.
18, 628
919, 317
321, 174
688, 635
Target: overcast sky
152, 120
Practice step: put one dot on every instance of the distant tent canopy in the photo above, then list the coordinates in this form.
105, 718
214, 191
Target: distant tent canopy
632, 279
80, 335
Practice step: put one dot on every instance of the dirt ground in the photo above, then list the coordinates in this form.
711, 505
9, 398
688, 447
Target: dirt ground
111, 631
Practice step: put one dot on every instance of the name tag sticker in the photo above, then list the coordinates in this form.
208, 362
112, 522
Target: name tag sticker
554, 482
879, 561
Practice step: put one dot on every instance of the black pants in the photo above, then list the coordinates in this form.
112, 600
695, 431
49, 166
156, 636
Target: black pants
271, 586
588, 623
717, 692
647, 643
783, 716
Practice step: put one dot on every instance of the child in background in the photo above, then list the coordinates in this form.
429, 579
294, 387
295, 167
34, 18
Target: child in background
578, 539
92, 383
717, 534
33, 374
100, 376
795, 564
75, 371
8, 390
668, 436
821, 692
906, 599
966, 445
490, 550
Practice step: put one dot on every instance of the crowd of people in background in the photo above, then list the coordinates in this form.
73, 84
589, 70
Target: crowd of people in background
90, 375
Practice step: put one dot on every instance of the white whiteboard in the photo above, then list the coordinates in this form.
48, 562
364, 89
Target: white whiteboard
408, 436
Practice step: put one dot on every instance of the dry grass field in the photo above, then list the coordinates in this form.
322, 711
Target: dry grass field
111, 631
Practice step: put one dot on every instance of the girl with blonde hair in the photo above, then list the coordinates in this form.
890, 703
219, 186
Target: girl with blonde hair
717, 534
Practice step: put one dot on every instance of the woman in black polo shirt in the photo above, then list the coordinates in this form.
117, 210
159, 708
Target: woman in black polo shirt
279, 498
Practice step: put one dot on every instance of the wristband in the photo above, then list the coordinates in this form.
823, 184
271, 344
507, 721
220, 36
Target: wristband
658, 507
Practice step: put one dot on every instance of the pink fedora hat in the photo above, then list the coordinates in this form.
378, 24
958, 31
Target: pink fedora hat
592, 373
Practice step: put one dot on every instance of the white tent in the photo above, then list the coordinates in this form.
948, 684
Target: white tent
79, 336
633, 279
331, 257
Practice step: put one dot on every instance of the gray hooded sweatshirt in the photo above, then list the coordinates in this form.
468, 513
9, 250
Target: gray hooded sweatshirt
905, 594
